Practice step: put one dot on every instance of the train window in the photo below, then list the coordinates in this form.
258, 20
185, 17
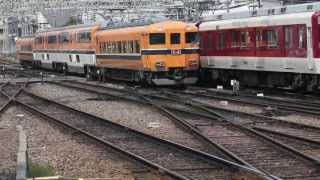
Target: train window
272, 38
124, 47
245, 39
137, 46
70, 58
52, 39
78, 58
157, 38
258, 38
84, 37
288, 37
112, 47
234, 39
130, 47
192, 37
119, 47
211, 42
108, 47
319, 35
64, 38
221, 41
105, 47
101, 47
302, 37
175, 38
39, 40
48, 57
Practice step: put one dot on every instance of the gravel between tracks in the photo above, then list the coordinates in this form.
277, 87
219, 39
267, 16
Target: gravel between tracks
124, 113
69, 154
8, 152
230, 105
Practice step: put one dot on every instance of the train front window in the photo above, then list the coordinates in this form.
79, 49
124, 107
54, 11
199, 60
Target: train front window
192, 37
157, 38
175, 38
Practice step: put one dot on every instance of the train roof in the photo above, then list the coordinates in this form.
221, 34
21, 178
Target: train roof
279, 10
136, 23
25, 38
156, 27
82, 26
262, 21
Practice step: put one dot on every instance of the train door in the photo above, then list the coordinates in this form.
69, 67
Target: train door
176, 42
290, 46
316, 35
305, 43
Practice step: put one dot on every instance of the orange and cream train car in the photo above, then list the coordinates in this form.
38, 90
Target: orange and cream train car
24, 48
68, 49
163, 53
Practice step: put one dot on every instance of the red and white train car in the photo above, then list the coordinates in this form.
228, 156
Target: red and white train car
268, 47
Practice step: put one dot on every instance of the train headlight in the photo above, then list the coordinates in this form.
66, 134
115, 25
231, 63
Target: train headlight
160, 64
193, 63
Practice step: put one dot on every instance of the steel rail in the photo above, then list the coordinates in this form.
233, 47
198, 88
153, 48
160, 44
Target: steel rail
205, 156
300, 109
242, 94
287, 135
128, 92
207, 106
176, 119
250, 130
277, 143
132, 157
292, 97
218, 115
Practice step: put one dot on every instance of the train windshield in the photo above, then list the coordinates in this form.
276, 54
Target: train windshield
157, 38
192, 37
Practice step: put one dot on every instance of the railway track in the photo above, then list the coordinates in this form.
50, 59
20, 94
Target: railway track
4, 61
271, 157
10, 89
188, 162
257, 148
3, 98
252, 120
295, 105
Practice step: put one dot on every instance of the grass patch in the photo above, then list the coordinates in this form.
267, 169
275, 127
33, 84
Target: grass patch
39, 169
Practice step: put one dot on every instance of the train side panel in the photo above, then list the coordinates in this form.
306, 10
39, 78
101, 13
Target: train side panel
66, 49
156, 53
274, 50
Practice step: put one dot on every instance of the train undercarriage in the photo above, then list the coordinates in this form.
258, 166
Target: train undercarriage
171, 77
294, 81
